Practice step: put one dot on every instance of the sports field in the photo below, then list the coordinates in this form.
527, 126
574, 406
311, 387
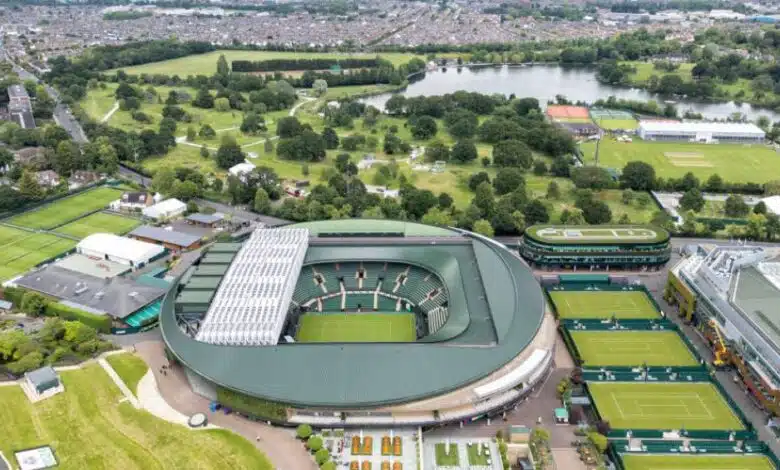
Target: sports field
206, 64
654, 405
625, 305
99, 222
615, 124
357, 328
606, 234
21, 250
633, 348
66, 209
733, 162
89, 426
697, 462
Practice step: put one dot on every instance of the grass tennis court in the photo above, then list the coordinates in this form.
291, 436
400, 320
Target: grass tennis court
357, 328
697, 462
66, 209
625, 305
668, 405
614, 124
633, 348
99, 222
90, 426
21, 250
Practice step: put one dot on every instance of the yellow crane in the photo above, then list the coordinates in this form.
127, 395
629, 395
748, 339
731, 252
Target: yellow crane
721, 353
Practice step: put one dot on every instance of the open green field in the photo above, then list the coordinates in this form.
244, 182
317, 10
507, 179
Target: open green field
625, 305
66, 209
696, 462
614, 124
663, 406
21, 250
644, 70
735, 163
99, 222
633, 348
444, 459
89, 428
129, 367
357, 328
206, 64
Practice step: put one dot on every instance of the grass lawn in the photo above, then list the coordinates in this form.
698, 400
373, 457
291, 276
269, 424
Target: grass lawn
356, 328
88, 427
625, 305
612, 124
206, 64
476, 458
99, 222
696, 462
66, 209
736, 163
129, 367
21, 250
663, 406
633, 348
443, 459
644, 70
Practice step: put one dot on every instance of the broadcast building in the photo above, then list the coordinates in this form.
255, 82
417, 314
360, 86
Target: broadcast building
732, 295
359, 322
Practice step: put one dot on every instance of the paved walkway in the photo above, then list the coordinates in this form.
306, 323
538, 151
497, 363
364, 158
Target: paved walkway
151, 401
110, 113
119, 382
568, 459
279, 444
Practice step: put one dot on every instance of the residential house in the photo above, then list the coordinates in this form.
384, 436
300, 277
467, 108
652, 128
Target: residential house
134, 201
30, 156
47, 178
82, 178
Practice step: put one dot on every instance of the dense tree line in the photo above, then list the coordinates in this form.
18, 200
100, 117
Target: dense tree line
273, 65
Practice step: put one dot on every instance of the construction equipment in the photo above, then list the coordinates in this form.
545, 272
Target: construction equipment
721, 352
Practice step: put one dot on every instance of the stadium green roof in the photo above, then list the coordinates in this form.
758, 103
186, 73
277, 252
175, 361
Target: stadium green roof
596, 234
484, 281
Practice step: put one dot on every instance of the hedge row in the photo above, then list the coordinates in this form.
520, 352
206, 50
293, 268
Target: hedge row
251, 406
102, 323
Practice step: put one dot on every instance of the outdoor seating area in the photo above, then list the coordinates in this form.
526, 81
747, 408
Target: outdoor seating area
391, 449
362, 446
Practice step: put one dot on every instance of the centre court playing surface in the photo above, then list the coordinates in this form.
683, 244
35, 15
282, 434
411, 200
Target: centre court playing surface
625, 305
661, 406
356, 328
696, 462
633, 348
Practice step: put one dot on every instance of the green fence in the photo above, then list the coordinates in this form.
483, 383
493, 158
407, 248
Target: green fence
618, 447
595, 282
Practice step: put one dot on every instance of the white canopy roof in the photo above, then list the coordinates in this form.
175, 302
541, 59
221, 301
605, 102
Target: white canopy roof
120, 247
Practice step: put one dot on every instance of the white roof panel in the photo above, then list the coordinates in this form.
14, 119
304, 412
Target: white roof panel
251, 303
120, 247
712, 127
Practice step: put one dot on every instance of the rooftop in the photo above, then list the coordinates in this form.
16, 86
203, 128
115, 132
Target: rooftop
42, 376
120, 247
165, 236
17, 91
709, 127
94, 267
206, 218
601, 235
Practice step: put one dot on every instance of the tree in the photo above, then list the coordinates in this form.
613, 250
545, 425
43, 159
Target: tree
203, 99
714, 183
478, 178
222, 105
464, 151
252, 123
207, 132
29, 187
692, 200
53, 135
735, 206
508, 180
163, 180
33, 304
331, 138
262, 202
320, 87
437, 151
572, 216
540, 168
644, 200
321, 456
627, 197
760, 208
437, 216
330, 465
596, 212
535, 212
223, 69
599, 441
772, 226
756, 227
560, 167
512, 153
204, 152
288, 127
168, 126
591, 177
639, 176
553, 192
229, 154
445, 201
66, 157
191, 134
688, 182
423, 127
268, 146
184, 190
484, 199
483, 227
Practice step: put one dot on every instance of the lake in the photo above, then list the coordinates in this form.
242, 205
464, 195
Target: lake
543, 82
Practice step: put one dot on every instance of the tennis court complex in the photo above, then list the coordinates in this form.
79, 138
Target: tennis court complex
21, 250
356, 328
99, 222
624, 305
663, 405
66, 209
633, 348
697, 462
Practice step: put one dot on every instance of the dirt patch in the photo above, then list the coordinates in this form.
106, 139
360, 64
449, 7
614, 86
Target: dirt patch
684, 155
691, 163
688, 159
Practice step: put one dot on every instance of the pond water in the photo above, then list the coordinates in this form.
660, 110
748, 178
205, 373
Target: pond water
543, 82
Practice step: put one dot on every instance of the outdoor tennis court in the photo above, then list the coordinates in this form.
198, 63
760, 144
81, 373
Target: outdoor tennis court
624, 305
696, 462
66, 209
663, 405
356, 328
99, 222
21, 250
633, 348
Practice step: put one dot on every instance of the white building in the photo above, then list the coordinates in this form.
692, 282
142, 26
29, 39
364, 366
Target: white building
708, 132
772, 204
242, 169
118, 249
164, 210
